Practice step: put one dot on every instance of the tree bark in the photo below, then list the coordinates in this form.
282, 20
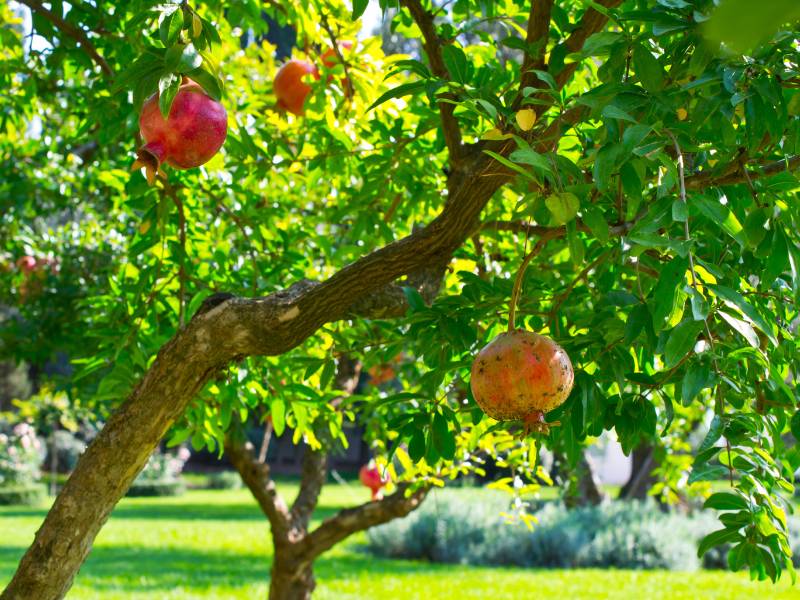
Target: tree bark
291, 578
583, 488
641, 479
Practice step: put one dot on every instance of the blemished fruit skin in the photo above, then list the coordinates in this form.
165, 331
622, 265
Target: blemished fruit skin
290, 89
192, 134
521, 375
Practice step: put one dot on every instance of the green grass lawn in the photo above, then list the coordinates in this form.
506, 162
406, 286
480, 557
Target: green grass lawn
215, 544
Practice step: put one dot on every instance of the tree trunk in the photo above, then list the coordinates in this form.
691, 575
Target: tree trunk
641, 479
291, 578
583, 488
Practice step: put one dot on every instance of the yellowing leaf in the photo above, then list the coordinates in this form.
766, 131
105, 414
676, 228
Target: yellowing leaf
682, 114
197, 26
495, 134
563, 206
526, 119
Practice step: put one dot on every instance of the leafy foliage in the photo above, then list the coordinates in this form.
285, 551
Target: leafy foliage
658, 169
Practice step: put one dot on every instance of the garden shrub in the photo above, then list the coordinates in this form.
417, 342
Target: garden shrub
21, 453
224, 480
161, 475
31, 494
68, 449
631, 535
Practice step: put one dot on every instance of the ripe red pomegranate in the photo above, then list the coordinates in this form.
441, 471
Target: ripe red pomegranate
290, 89
27, 264
192, 134
370, 476
521, 375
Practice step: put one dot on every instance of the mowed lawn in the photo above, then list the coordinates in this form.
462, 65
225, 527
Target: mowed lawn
215, 544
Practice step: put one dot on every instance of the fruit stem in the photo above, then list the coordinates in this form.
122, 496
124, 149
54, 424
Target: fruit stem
512, 309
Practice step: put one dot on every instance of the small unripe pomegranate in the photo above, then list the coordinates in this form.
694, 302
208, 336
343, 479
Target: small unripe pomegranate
27, 264
290, 89
192, 134
521, 375
329, 58
370, 477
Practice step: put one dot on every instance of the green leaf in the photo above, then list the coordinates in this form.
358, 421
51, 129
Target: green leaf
456, 62
563, 207
715, 430
416, 446
699, 305
443, 438
720, 214
168, 87
663, 295
742, 24
717, 538
405, 89
277, 409
707, 473
743, 327
778, 259
415, 299
208, 82
650, 72
681, 340
170, 27
726, 501
359, 6
740, 302
527, 156
514, 167
594, 219
697, 378
612, 112
794, 425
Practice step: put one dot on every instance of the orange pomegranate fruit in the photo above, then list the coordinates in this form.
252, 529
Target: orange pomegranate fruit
290, 89
521, 375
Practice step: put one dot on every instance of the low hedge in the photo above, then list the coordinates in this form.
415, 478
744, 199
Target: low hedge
23, 495
225, 480
625, 535
141, 489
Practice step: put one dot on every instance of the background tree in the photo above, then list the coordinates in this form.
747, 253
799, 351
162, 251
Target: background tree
649, 170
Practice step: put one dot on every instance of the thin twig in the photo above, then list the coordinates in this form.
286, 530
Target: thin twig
76, 33
512, 309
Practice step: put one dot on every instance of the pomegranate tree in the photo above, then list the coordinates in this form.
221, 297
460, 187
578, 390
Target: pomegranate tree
521, 375
189, 137
371, 478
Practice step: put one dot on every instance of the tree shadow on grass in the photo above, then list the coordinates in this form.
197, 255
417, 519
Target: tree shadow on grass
147, 569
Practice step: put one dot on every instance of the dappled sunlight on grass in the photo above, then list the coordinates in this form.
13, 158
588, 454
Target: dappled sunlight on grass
215, 544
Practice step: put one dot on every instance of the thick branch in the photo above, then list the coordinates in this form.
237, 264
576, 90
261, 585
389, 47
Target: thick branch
315, 461
549, 233
352, 520
735, 174
256, 477
314, 471
73, 31
592, 22
538, 33
433, 48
